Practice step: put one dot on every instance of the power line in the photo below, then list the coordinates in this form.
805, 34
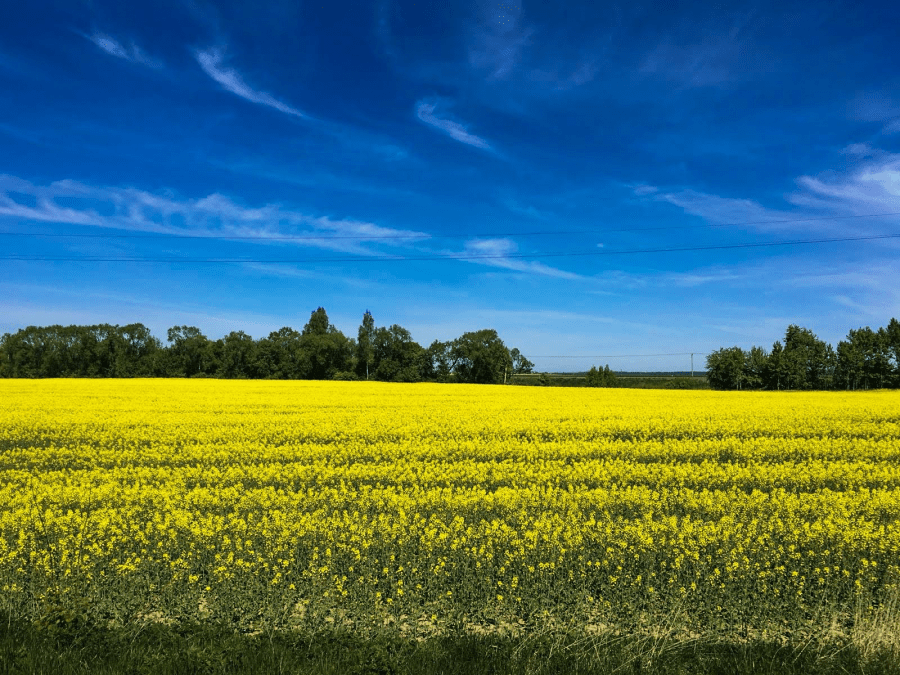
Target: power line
796, 242
603, 356
460, 235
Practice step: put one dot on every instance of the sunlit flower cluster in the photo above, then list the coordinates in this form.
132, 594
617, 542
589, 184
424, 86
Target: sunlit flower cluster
253, 502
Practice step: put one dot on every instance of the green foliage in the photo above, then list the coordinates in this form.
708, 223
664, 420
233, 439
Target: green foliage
520, 365
323, 349
755, 362
480, 357
191, 352
601, 377
806, 362
397, 357
320, 351
365, 351
439, 364
235, 355
81, 351
725, 368
866, 359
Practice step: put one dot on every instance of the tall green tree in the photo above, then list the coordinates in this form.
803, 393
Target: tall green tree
601, 377
139, 351
438, 364
864, 360
278, 356
191, 352
773, 372
365, 350
324, 350
756, 362
806, 361
397, 357
520, 365
481, 357
892, 340
725, 368
236, 355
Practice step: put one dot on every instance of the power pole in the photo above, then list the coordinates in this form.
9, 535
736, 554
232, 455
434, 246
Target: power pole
692, 365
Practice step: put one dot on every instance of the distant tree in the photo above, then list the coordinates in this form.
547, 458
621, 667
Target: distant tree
544, 379
191, 352
755, 364
520, 365
773, 373
892, 340
277, 356
396, 356
236, 355
481, 357
879, 364
140, 350
438, 362
364, 345
725, 368
324, 350
318, 323
19, 353
602, 377
806, 362
864, 360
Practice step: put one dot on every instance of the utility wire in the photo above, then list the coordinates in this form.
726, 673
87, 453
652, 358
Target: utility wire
796, 242
422, 235
605, 356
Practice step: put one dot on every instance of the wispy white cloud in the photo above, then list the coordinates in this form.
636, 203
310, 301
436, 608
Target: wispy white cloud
720, 210
871, 187
214, 214
131, 52
499, 249
425, 111
212, 61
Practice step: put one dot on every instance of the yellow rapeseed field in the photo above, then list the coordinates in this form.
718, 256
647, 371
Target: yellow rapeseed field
278, 503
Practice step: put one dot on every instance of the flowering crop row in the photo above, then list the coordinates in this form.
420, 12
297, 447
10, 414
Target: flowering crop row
289, 502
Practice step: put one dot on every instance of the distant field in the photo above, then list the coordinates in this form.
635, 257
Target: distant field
446, 509
623, 380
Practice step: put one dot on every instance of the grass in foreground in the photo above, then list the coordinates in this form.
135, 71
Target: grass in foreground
196, 648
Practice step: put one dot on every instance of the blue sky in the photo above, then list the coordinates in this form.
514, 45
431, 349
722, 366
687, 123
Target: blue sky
424, 129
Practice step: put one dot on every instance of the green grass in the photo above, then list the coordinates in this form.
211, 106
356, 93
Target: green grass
159, 649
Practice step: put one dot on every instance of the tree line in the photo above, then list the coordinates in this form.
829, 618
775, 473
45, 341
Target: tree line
318, 352
866, 359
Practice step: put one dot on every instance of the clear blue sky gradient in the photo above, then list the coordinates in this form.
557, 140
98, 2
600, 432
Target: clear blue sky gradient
509, 130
